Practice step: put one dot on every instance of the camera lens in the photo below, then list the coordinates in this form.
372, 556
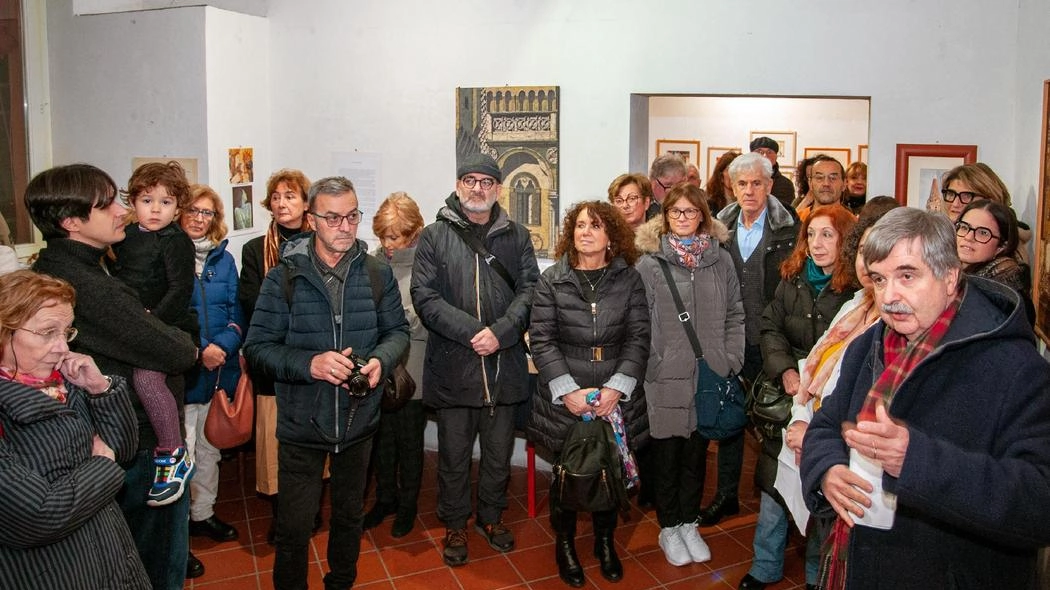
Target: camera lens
357, 384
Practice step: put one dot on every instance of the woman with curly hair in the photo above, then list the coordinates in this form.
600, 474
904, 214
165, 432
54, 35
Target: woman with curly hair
719, 188
590, 343
813, 288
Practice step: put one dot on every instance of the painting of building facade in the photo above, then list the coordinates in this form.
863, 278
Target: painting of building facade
518, 126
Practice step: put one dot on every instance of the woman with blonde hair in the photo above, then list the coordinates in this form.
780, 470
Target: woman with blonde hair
398, 452
286, 199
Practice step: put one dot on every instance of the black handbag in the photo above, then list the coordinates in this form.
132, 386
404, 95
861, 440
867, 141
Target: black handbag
589, 475
768, 407
719, 400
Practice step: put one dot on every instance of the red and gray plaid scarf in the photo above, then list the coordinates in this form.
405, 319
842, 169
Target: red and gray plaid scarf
900, 357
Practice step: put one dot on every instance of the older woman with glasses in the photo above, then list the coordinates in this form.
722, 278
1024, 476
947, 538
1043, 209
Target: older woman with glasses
222, 333
986, 238
631, 194
64, 429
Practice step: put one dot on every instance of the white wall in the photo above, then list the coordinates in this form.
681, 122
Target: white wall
380, 77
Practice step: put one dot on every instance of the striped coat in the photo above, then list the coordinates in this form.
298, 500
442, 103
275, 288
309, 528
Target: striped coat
61, 525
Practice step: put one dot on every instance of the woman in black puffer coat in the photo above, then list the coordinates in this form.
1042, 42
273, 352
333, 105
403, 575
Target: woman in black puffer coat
589, 331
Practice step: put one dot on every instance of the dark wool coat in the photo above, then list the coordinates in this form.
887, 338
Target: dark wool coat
444, 293
562, 333
221, 324
711, 295
974, 490
293, 322
792, 323
114, 328
159, 267
62, 527
781, 231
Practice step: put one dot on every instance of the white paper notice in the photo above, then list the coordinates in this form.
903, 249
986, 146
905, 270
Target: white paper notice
883, 503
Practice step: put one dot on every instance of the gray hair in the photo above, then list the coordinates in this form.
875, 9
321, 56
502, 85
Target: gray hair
904, 224
667, 164
331, 185
751, 162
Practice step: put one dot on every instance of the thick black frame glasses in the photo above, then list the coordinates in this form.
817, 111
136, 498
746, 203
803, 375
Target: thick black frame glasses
981, 234
964, 197
471, 181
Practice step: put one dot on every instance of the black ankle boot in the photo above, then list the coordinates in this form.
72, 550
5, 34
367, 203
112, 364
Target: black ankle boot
605, 551
723, 505
569, 568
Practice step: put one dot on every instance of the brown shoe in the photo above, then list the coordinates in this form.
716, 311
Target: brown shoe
455, 553
498, 536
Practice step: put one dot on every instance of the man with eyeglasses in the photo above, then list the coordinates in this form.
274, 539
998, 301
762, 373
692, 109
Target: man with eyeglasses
328, 326
827, 183
666, 171
762, 233
783, 189
77, 209
472, 288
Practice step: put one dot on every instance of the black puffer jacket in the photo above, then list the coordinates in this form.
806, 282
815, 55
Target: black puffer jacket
562, 333
793, 321
446, 279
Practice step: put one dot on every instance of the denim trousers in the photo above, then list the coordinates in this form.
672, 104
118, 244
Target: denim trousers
161, 534
771, 533
457, 429
301, 473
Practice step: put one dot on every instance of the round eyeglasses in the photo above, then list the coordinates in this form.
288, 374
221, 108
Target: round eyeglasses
982, 235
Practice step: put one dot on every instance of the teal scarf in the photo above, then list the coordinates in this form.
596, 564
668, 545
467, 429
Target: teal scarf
815, 276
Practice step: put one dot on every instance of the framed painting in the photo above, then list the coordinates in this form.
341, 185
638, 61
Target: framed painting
1041, 284
843, 155
862, 152
786, 157
713, 154
687, 149
920, 167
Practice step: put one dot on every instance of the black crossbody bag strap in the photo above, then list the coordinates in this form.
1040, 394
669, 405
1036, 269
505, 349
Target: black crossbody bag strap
475, 244
683, 315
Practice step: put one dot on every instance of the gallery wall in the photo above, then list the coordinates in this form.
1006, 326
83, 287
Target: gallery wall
379, 78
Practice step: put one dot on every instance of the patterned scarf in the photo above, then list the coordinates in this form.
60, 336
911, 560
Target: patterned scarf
900, 357
825, 356
54, 386
688, 251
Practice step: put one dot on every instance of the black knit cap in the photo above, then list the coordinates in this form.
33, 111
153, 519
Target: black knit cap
765, 142
480, 163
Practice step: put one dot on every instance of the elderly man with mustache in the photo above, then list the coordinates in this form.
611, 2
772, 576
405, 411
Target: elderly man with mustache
949, 398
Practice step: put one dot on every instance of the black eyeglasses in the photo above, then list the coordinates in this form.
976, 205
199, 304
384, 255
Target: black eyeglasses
486, 183
982, 235
662, 185
964, 197
53, 334
334, 221
689, 213
205, 213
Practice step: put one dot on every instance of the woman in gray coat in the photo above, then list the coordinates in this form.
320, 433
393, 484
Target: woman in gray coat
589, 337
704, 274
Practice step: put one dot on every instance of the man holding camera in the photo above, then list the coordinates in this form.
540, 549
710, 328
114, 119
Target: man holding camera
316, 312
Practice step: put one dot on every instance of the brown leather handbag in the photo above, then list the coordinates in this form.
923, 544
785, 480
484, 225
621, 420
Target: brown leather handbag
398, 389
229, 423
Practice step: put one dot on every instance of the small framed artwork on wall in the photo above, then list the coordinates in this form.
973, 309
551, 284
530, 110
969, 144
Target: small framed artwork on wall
843, 155
687, 149
862, 152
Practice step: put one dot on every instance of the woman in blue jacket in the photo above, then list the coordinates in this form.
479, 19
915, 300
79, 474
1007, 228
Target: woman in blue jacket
222, 329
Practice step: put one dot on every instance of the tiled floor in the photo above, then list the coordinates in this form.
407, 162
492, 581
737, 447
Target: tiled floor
414, 561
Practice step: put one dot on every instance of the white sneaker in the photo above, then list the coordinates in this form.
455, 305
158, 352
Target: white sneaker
674, 547
694, 543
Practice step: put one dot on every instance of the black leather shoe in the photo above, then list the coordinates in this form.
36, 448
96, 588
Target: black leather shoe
214, 528
608, 561
569, 569
403, 523
194, 567
375, 516
750, 583
812, 587
723, 505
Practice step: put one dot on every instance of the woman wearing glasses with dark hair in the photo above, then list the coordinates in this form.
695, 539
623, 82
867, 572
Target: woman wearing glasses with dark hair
986, 240
64, 429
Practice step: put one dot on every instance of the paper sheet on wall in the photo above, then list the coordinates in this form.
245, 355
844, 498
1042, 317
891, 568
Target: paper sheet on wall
362, 168
789, 484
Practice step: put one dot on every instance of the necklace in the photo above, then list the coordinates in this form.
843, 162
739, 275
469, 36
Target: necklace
593, 284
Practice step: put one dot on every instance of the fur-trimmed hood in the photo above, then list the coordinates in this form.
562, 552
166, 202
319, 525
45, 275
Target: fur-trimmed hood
647, 236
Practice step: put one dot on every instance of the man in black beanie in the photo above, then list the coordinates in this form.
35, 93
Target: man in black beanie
783, 189
472, 287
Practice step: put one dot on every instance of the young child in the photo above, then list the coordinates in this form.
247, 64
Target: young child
156, 259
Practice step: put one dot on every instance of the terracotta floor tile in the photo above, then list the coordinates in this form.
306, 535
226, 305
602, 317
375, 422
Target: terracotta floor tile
230, 563
635, 577
412, 558
535, 563
249, 582
441, 579
488, 573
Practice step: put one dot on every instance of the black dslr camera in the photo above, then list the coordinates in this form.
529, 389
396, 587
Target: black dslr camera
357, 383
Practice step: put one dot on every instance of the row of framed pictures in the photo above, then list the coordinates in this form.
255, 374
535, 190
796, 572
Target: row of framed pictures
689, 150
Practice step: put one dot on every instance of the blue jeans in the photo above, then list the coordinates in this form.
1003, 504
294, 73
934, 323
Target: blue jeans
771, 533
161, 534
